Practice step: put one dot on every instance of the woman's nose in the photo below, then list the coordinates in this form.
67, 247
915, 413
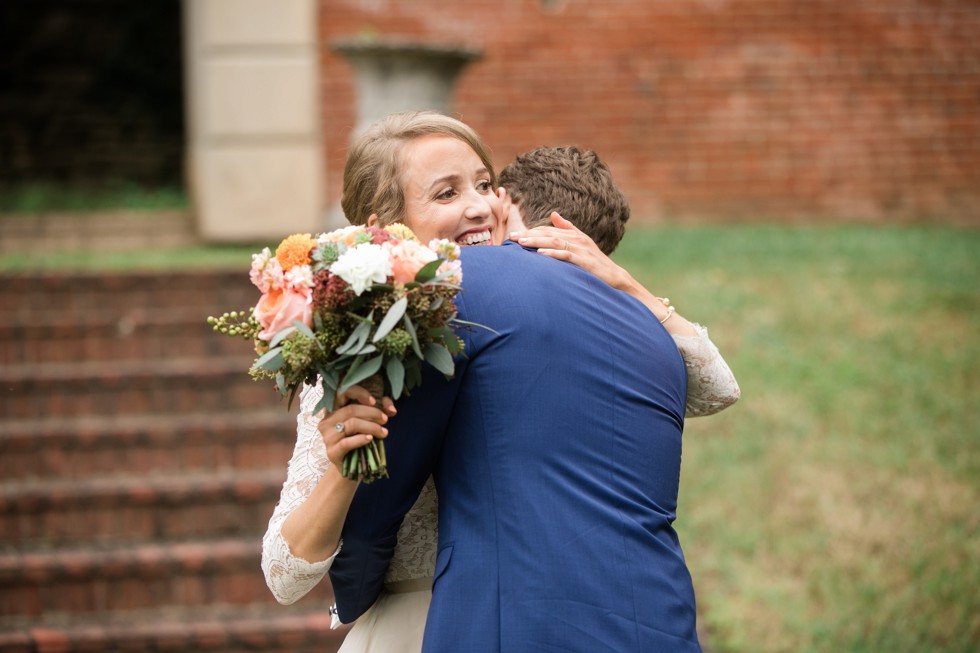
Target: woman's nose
478, 206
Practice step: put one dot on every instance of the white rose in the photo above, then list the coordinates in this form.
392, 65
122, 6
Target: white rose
363, 266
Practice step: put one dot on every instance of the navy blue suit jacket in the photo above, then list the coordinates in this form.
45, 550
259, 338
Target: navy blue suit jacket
556, 451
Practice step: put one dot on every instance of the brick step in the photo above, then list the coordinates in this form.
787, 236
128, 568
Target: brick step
80, 294
302, 628
66, 448
109, 510
135, 334
131, 388
123, 578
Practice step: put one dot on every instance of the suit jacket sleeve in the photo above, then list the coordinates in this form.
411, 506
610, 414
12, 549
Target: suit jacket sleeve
370, 530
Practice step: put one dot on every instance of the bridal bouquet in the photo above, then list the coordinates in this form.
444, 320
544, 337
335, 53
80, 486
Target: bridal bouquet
359, 305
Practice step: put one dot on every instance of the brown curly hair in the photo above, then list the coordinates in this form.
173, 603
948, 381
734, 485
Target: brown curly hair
576, 184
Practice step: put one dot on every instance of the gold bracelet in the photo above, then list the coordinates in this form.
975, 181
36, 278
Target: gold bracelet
670, 311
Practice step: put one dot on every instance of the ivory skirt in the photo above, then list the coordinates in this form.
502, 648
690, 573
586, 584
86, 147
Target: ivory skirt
394, 624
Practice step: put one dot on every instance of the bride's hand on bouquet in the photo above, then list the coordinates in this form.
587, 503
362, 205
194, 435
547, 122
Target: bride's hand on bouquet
357, 419
565, 242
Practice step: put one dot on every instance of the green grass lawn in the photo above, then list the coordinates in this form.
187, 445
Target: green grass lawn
198, 257
836, 507
35, 197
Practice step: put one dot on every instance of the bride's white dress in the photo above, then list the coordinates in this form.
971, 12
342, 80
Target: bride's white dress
394, 624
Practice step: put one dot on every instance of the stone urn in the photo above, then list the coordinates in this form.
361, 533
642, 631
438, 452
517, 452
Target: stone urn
395, 75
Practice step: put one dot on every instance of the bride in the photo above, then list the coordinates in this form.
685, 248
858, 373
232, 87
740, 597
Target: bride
434, 174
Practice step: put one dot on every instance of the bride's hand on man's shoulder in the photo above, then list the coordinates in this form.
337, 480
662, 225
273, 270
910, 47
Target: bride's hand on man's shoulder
357, 418
566, 242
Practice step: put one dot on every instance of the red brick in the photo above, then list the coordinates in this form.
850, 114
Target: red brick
657, 86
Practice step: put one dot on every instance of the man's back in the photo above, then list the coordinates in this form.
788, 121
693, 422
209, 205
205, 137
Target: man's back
559, 468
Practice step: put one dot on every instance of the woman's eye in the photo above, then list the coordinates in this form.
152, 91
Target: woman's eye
447, 194
485, 186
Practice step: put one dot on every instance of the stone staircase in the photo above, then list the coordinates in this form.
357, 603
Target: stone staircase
139, 465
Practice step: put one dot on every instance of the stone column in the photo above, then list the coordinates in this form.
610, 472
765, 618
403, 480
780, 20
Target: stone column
255, 161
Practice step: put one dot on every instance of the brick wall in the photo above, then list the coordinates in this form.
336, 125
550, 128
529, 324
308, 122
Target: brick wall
713, 109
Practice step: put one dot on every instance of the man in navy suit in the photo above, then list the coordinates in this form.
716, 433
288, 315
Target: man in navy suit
556, 452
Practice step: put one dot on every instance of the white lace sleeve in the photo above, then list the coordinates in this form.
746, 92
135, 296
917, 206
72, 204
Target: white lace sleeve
711, 386
289, 577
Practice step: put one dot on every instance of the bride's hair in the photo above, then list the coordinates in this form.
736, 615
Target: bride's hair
372, 173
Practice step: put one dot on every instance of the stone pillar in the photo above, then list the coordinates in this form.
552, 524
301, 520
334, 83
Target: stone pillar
255, 161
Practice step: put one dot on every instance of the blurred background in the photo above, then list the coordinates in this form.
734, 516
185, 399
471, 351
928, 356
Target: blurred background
805, 180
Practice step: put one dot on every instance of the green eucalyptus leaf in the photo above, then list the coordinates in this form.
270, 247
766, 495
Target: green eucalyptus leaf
396, 376
428, 271
438, 280
362, 372
442, 333
354, 364
356, 339
279, 337
467, 323
271, 360
448, 337
438, 357
329, 383
394, 314
413, 374
305, 330
292, 395
410, 328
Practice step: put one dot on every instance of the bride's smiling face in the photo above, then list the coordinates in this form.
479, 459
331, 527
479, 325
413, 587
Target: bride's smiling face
448, 192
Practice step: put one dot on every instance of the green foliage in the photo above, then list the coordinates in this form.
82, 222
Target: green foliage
188, 258
34, 198
834, 507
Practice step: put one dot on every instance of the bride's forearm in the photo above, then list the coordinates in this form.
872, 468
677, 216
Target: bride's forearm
675, 324
313, 529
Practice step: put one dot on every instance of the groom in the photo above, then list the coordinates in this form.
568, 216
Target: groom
556, 452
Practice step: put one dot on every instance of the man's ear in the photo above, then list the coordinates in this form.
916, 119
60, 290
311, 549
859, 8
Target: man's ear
372, 220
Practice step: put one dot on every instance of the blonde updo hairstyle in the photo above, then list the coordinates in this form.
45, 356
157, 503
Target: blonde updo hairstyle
374, 167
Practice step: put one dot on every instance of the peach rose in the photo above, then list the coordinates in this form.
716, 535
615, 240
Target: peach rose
407, 258
277, 310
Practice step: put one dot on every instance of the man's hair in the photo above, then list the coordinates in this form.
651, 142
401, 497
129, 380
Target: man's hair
576, 184
374, 168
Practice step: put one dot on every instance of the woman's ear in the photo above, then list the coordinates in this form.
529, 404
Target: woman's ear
372, 220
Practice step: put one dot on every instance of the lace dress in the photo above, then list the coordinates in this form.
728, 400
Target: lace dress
394, 624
